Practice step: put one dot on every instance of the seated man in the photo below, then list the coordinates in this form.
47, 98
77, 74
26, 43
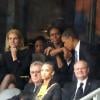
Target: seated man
35, 82
83, 86
35, 73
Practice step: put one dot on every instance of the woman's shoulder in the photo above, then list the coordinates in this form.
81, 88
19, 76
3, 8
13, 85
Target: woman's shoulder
54, 86
25, 50
5, 54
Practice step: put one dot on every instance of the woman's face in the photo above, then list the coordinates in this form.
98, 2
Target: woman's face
55, 36
39, 46
46, 72
13, 40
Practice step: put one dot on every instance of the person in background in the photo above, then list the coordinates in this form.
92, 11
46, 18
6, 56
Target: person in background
79, 49
55, 52
32, 86
55, 43
38, 49
16, 60
2, 71
35, 77
82, 86
49, 89
39, 44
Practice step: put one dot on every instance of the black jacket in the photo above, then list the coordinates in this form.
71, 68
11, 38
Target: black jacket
68, 91
18, 68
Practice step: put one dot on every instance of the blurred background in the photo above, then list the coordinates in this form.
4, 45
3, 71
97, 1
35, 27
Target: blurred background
34, 17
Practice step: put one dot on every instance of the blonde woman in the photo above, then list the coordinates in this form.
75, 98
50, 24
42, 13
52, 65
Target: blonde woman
16, 59
49, 90
14, 39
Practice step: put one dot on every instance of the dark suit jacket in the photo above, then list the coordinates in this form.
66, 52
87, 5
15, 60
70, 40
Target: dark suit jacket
29, 87
66, 72
2, 69
84, 54
84, 51
68, 91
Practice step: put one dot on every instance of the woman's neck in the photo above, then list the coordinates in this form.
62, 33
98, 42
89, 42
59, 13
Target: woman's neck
46, 81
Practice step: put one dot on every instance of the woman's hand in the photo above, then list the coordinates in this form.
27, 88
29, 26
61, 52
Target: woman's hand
47, 50
14, 53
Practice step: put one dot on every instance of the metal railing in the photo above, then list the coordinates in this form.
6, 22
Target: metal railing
95, 95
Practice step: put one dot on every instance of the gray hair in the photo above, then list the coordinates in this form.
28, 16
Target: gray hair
36, 63
83, 62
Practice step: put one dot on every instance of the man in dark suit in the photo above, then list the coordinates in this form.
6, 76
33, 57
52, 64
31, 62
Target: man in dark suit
80, 50
35, 81
71, 91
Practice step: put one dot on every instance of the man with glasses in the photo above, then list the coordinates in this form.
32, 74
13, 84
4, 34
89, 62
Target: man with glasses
35, 77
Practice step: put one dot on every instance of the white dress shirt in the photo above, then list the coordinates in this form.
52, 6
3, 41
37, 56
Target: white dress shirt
78, 85
77, 49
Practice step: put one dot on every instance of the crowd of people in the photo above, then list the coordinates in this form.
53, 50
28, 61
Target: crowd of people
48, 70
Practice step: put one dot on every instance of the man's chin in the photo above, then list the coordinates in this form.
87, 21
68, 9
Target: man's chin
81, 78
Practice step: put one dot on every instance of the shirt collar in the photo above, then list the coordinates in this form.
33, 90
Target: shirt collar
82, 81
77, 46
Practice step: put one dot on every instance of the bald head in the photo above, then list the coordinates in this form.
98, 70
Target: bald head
81, 69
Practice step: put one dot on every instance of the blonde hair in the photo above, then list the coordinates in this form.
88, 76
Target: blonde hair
18, 33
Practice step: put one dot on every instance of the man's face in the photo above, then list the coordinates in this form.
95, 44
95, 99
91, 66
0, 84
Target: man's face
81, 70
55, 36
35, 73
68, 43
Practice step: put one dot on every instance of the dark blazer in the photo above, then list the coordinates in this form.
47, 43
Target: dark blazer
68, 91
84, 51
2, 69
18, 68
54, 92
84, 54
29, 87
66, 73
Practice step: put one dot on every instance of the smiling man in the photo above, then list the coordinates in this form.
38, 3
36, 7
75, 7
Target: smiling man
83, 85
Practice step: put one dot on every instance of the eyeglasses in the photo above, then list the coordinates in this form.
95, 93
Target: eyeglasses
35, 72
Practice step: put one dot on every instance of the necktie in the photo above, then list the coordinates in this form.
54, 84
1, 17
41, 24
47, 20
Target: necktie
35, 89
79, 92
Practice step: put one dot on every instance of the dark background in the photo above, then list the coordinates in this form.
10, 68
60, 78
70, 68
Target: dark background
34, 16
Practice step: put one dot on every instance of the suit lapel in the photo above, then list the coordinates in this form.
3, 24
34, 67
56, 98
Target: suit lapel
87, 87
74, 86
81, 51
